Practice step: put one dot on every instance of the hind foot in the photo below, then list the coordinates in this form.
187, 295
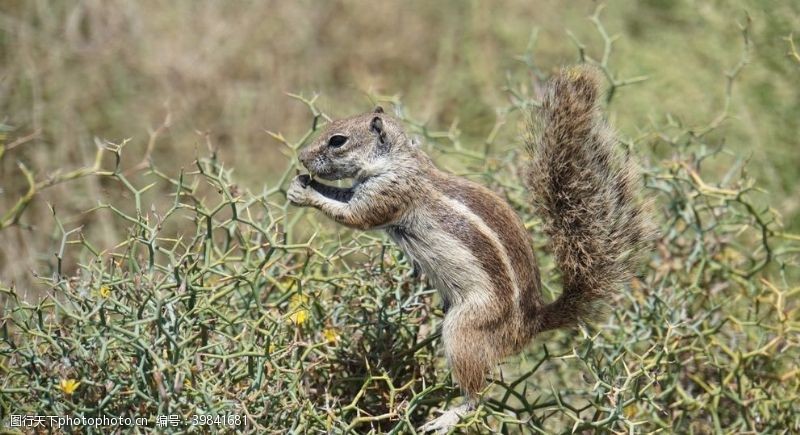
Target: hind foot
449, 418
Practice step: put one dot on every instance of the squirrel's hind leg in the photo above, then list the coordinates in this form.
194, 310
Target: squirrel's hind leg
472, 349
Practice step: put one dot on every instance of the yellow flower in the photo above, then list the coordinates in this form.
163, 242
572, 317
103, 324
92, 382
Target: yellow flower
299, 312
331, 336
630, 410
68, 386
299, 317
271, 348
105, 291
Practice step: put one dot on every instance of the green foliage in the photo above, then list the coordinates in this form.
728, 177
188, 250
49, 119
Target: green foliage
226, 301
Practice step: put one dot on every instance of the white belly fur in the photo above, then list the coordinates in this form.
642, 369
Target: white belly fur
451, 268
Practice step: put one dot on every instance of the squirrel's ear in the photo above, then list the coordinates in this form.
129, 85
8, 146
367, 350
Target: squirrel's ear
376, 126
378, 109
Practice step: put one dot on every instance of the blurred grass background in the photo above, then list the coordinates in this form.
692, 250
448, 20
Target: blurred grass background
75, 71
157, 269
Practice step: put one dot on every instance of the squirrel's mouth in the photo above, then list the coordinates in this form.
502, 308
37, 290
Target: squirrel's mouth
326, 175
341, 194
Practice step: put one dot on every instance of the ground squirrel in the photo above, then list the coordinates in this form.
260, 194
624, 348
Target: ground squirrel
467, 240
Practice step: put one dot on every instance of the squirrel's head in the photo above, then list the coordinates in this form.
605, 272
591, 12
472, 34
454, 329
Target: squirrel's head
356, 147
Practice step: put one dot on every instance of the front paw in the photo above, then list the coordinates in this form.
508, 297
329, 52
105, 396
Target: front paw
299, 192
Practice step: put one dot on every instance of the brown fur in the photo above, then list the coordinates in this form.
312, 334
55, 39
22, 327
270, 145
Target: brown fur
470, 243
515, 238
586, 194
481, 246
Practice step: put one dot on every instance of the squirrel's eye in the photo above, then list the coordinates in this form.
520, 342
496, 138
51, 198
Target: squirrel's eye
336, 141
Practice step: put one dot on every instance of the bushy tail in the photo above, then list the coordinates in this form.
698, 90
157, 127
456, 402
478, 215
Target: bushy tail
586, 194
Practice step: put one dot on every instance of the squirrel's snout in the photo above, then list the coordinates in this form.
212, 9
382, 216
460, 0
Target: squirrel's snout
305, 157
